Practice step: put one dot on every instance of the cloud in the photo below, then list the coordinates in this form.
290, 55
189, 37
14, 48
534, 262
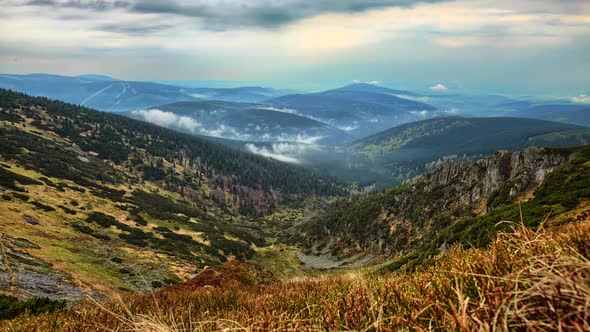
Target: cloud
168, 119
452, 111
422, 99
293, 149
300, 138
347, 128
329, 40
581, 99
286, 152
279, 109
218, 15
263, 151
368, 82
420, 113
438, 87
133, 28
252, 132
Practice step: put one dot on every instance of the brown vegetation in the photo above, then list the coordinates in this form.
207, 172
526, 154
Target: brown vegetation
525, 280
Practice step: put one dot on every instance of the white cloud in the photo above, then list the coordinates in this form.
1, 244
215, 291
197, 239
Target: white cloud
287, 152
581, 99
423, 113
199, 95
263, 151
168, 119
251, 133
277, 109
293, 148
375, 82
347, 128
300, 138
452, 111
439, 87
420, 99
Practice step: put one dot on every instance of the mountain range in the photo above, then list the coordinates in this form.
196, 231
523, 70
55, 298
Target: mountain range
359, 108
242, 121
359, 132
100, 204
110, 94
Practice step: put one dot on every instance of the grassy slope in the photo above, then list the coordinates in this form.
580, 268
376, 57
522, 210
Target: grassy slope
525, 280
87, 256
564, 193
346, 224
92, 208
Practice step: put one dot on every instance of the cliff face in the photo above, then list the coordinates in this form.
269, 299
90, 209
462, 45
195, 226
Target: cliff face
474, 181
400, 219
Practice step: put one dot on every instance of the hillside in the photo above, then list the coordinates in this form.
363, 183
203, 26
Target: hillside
359, 110
94, 202
249, 94
95, 92
242, 121
458, 201
114, 95
407, 149
573, 114
464, 290
367, 87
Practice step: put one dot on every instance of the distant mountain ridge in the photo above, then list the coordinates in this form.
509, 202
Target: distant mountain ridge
407, 149
110, 94
457, 135
566, 113
360, 109
242, 121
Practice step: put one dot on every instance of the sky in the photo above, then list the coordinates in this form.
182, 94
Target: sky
528, 45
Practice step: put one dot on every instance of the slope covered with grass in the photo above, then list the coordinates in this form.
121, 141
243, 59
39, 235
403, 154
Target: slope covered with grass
97, 203
525, 280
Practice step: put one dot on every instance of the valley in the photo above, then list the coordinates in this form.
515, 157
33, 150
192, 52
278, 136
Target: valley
97, 205
292, 165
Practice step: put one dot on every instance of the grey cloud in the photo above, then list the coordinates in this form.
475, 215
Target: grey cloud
265, 14
133, 29
96, 5
223, 15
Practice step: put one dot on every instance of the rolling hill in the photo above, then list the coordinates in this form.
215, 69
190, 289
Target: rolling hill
407, 149
249, 94
242, 121
360, 109
95, 202
111, 94
566, 113
95, 92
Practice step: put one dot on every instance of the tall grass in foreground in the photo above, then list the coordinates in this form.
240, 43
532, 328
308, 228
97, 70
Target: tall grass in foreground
536, 280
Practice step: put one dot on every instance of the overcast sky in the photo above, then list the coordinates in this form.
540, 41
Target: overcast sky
543, 44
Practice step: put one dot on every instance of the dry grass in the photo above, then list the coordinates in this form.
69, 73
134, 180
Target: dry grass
535, 280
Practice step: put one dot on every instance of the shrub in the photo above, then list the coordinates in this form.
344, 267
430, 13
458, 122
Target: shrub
116, 260
11, 307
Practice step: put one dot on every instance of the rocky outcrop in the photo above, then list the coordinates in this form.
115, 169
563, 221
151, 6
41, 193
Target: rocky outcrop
472, 181
23, 275
400, 219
